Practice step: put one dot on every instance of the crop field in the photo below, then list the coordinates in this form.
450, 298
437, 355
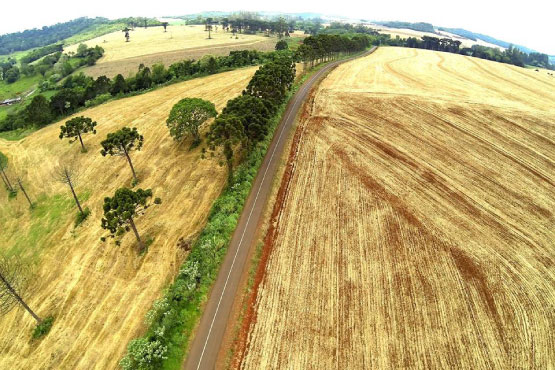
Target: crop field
97, 291
153, 45
415, 224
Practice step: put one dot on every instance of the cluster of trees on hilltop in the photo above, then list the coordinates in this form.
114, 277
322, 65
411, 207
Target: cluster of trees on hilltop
324, 47
54, 65
339, 28
29, 39
79, 90
418, 26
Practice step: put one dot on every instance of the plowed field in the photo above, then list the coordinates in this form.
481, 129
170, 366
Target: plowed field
416, 227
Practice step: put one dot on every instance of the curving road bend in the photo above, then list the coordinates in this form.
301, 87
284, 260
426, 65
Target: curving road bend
208, 339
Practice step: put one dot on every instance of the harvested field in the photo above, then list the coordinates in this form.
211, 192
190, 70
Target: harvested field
416, 228
98, 292
153, 45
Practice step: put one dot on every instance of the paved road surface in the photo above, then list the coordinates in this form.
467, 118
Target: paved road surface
208, 338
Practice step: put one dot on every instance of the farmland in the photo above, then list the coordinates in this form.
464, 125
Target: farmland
153, 45
97, 291
415, 222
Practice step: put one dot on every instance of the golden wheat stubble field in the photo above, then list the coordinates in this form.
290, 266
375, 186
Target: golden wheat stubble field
153, 45
98, 292
417, 229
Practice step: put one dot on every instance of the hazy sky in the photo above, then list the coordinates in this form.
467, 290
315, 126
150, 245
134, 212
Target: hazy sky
530, 23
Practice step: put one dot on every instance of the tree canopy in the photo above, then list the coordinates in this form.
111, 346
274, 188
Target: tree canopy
76, 127
187, 116
121, 143
122, 208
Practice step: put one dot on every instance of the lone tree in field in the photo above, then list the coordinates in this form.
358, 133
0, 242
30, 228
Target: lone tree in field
3, 166
69, 175
208, 27
187, 116
165, 25
126, 30
122, 208
20, 183
13, 281
76, 127
227, 130
121, 143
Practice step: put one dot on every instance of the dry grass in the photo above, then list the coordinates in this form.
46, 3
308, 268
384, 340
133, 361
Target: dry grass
99, 292
153, 45
417, 229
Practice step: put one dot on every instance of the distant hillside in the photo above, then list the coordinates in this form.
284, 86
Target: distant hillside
74, 31
419, 26
37, 37
474, 36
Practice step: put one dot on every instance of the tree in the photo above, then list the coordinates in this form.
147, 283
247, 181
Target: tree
3, 167
187, 116
65, 101
122, 208
126, 30
81, 51
76, 127
68, 174
159, 73
254, 114
121, 143
13, 281
38, 111
282, 45
20, 183
208, 27
119, 86
227, 130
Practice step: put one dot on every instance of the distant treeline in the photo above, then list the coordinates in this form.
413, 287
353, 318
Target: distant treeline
480, 36
419, 26
39, 53
79, 90
511, 55
47, 35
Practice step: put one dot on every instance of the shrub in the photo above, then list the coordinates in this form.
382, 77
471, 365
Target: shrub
144, 354
81, 217
43, 327
103, 98
157, 200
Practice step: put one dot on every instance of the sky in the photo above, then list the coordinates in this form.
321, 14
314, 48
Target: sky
525, 23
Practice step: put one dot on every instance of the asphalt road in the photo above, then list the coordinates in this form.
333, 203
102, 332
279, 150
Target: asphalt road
208, 338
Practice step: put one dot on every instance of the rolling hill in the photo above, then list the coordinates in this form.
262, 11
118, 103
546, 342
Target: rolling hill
414, 226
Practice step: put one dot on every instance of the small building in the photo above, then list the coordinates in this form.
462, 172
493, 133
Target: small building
11, 101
